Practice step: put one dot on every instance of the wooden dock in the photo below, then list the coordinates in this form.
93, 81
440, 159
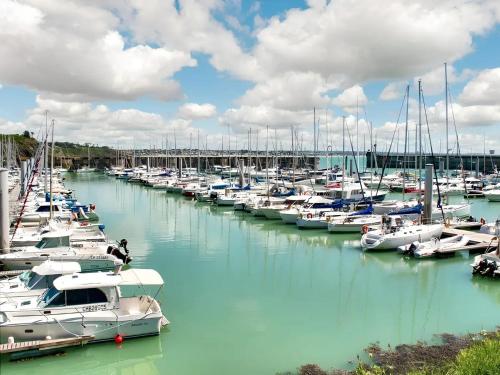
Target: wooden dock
478, 243
41, 347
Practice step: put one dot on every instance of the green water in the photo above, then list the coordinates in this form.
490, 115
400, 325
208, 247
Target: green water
249, 296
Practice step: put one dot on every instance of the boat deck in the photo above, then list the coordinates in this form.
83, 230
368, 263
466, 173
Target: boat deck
6, 274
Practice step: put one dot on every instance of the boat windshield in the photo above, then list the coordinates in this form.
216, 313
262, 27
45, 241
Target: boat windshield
48, 296
51, 242
33, 279
25, 276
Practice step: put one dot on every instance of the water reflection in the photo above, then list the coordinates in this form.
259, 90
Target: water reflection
137, 357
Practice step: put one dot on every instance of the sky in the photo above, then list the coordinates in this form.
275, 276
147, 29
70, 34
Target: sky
132, 73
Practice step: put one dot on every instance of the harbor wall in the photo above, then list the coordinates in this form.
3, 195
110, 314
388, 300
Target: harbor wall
470, 162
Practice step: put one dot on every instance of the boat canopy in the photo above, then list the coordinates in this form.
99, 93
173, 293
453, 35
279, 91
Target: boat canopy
108, 279
57, 268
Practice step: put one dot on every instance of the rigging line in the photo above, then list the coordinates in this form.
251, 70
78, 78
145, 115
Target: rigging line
356, 165
432, 156
458, 144
390, 146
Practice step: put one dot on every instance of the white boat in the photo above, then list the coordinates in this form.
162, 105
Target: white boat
78, 232
319, 220
352, 224
492, 195
260, 206
229, 197
429, 248
352, 192
273, 212
57, 247
313, 205
36, 281
86, 304
388, 238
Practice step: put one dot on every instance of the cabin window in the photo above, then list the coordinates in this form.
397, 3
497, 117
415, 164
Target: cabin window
84, 296
56, 300
33, 280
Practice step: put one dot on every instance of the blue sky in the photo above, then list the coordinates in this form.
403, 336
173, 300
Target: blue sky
135, 74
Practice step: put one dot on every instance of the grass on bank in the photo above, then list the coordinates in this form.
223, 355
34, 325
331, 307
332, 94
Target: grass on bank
477, 357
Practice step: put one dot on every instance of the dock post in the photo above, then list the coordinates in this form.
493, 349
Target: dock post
429, 172
24, 174
477, 167
4, 211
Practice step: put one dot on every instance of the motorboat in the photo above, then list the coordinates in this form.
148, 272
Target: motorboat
492, 195
86, 304
56, 247
313, 205
428, 249
78, 232
36, 281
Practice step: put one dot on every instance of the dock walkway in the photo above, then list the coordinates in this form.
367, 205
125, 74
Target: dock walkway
479, 242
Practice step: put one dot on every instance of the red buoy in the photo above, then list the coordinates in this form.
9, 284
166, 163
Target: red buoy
118, 339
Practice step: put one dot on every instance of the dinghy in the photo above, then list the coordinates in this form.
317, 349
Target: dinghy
430, 248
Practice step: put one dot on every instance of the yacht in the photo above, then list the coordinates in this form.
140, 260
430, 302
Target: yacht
57, 247
86, 304
36, 281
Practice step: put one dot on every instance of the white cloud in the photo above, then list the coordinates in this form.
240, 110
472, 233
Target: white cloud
192, 28
433, 82
11, 127
393, 90
194, 111
347, 39
351, 99
72, 50
290, 91
482, 90
86, 123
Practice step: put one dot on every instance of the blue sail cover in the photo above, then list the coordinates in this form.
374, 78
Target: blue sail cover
367, 211
287, 194
415, 210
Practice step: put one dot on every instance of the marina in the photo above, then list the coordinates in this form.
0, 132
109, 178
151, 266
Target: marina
300, 187
268, 275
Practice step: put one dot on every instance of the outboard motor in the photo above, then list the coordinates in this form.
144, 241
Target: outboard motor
411, 249
491, 267
480, 267
113, 250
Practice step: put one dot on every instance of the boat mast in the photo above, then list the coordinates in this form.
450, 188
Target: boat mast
45, 154
420, 135
406, 139
314, 127
51, 168
357, 131
343, 154
446, 101
267, 159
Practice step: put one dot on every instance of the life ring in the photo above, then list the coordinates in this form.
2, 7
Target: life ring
482, 221
364, 229
309, 215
